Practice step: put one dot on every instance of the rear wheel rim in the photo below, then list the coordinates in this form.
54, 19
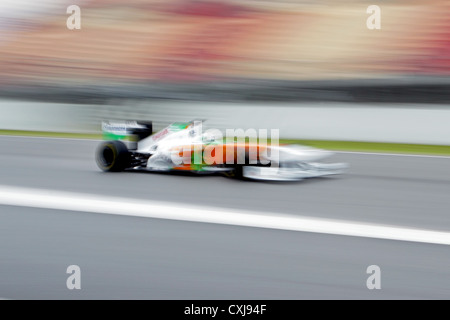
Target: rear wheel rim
107, 157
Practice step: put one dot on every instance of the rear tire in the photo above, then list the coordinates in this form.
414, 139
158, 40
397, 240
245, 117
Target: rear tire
113, 156
235, 173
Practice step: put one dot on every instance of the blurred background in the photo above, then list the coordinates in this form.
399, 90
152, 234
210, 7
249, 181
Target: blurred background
310, 68
130, 60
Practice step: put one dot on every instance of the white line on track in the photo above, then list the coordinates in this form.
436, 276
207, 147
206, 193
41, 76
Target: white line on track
49, 199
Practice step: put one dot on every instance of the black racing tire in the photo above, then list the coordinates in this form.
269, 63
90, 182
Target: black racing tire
238, 169
112, 156
235, 173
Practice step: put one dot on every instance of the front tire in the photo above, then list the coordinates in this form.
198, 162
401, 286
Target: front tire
113, 156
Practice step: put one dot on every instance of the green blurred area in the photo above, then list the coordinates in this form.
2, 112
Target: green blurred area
356, 146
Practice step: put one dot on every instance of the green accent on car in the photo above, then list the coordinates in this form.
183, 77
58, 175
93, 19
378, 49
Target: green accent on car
178, 126
112, 136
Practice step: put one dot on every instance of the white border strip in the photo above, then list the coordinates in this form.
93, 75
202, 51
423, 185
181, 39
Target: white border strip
48, 199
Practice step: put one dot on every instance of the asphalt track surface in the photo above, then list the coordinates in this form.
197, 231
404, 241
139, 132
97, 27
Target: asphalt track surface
123, 257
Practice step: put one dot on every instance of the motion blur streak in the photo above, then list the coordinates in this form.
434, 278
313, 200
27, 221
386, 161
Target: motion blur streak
208, 40
153, 209
394, 154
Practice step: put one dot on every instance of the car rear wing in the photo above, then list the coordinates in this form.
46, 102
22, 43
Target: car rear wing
131, 131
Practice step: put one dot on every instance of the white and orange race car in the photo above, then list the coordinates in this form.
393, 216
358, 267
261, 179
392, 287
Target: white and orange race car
183, 146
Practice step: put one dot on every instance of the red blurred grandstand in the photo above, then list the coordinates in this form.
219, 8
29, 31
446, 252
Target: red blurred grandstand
179, 41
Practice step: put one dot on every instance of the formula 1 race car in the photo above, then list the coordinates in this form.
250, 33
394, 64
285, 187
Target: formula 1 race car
132, 145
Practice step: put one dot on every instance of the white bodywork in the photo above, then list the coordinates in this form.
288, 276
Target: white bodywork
287, 162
